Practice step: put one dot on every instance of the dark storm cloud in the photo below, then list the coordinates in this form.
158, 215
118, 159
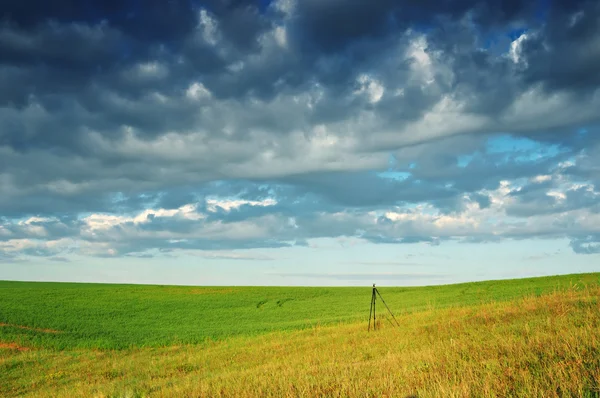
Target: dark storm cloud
78, 54
368, 189
86, 54
117, 107
152, 21
538, 201
333, 25
586, 244
564, 54
42, 228
482, 200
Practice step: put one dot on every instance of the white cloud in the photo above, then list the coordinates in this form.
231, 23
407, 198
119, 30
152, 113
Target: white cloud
542, 178
422, 65
281, 36
515, 48
197, 91
209, 27
229, 204
370, 87
285, 6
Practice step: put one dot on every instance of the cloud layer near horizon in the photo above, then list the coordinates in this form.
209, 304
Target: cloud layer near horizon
223, 125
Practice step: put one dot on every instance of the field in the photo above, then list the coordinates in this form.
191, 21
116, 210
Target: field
527, 337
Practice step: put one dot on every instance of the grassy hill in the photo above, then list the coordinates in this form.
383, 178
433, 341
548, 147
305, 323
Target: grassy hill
527, 337
125, 316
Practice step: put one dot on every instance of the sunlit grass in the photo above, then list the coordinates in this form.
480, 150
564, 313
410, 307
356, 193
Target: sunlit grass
128, 316
541, 344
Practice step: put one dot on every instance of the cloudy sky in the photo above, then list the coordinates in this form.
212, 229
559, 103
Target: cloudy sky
299, 142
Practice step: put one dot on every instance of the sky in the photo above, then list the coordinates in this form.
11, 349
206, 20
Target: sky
313, 142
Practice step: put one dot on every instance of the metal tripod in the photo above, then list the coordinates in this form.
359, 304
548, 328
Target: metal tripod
373, 312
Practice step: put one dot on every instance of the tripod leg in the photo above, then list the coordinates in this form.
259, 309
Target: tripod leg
370, 313
374, 310
388, 308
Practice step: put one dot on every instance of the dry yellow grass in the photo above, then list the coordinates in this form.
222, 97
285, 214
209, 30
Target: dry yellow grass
547, 346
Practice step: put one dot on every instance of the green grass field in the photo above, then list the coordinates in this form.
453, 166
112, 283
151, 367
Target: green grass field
524, 337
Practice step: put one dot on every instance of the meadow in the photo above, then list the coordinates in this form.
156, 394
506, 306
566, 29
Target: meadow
524, 337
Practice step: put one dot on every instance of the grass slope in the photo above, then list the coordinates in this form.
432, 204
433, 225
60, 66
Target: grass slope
544, 345
69, 315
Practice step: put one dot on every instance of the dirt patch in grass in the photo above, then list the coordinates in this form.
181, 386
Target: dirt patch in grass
12, 346
8, 325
